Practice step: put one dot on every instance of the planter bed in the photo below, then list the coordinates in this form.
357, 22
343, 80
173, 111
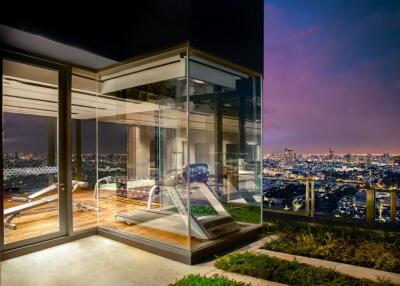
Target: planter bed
198, 280
288, 272
362, 247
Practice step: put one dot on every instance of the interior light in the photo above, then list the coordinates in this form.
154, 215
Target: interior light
198, 81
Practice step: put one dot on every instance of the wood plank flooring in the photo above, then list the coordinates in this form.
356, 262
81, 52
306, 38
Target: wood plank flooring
44, 220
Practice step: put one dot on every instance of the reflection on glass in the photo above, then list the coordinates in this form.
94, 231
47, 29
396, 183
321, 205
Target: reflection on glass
84, 158
383, 202
225, 150
141, 139
30, 151
397, 198
155, 129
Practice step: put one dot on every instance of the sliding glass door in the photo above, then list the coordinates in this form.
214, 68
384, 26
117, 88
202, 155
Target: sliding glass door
33, 188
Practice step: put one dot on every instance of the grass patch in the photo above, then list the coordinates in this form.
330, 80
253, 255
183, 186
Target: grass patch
248, 214
198, 280
202, 211
363, 247
288, 272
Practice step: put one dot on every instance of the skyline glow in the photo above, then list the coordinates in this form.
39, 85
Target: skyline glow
332, 76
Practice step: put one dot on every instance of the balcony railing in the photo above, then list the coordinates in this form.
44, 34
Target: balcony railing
344, 199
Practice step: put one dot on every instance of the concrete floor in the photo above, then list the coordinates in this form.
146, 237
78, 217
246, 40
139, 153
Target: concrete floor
94, 261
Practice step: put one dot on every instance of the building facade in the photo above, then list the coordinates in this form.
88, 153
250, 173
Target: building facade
162, 150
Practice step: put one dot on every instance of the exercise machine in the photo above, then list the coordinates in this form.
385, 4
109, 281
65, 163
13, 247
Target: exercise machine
130, 188
38, 199
206, 227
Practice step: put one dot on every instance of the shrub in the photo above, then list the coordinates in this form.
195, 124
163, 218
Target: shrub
369, 248
198, 280
288, 272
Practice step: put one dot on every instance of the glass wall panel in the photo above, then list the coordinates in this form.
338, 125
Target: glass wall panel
142, 134
30, 151
383, 206
224, 149
84, 157
162, 148
397, 213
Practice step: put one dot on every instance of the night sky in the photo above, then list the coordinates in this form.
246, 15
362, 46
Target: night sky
332, 80
332, 76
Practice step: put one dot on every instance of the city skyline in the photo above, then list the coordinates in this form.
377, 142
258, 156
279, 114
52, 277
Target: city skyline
331, 76
326, 152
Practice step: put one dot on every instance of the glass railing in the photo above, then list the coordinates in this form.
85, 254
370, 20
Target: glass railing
349, 200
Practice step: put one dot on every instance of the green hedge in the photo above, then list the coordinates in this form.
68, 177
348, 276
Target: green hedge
363, 247
288, 272
198, 280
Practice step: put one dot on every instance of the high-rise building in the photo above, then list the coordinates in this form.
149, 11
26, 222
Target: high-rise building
386, 158
396, 160
347, 157
331, 154
368, 159
288, 158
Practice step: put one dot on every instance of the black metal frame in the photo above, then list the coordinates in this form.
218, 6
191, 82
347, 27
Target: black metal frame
64, 149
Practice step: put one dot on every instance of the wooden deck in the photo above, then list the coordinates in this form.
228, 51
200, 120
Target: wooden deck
44, 220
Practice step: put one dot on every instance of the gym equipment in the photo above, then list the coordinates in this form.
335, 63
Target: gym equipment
13, 212
131, 188
205, 227
35, 195
198, 172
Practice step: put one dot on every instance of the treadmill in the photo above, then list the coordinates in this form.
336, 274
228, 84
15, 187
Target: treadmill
207, 227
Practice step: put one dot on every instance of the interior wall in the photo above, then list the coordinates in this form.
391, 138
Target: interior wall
205, 138
229, 138
139, 150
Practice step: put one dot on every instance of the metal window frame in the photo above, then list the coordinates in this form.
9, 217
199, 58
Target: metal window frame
66, 233
64, 149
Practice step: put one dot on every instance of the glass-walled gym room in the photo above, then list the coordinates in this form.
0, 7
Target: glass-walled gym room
165, 150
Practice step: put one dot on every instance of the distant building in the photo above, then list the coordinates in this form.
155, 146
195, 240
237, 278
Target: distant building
396, 160
331, 154
347, 157
386, 158
368, 159
288, 158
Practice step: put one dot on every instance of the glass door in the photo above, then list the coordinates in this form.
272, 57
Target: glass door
33, 186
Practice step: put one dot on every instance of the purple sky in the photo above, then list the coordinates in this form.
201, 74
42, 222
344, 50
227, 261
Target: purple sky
332, 76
